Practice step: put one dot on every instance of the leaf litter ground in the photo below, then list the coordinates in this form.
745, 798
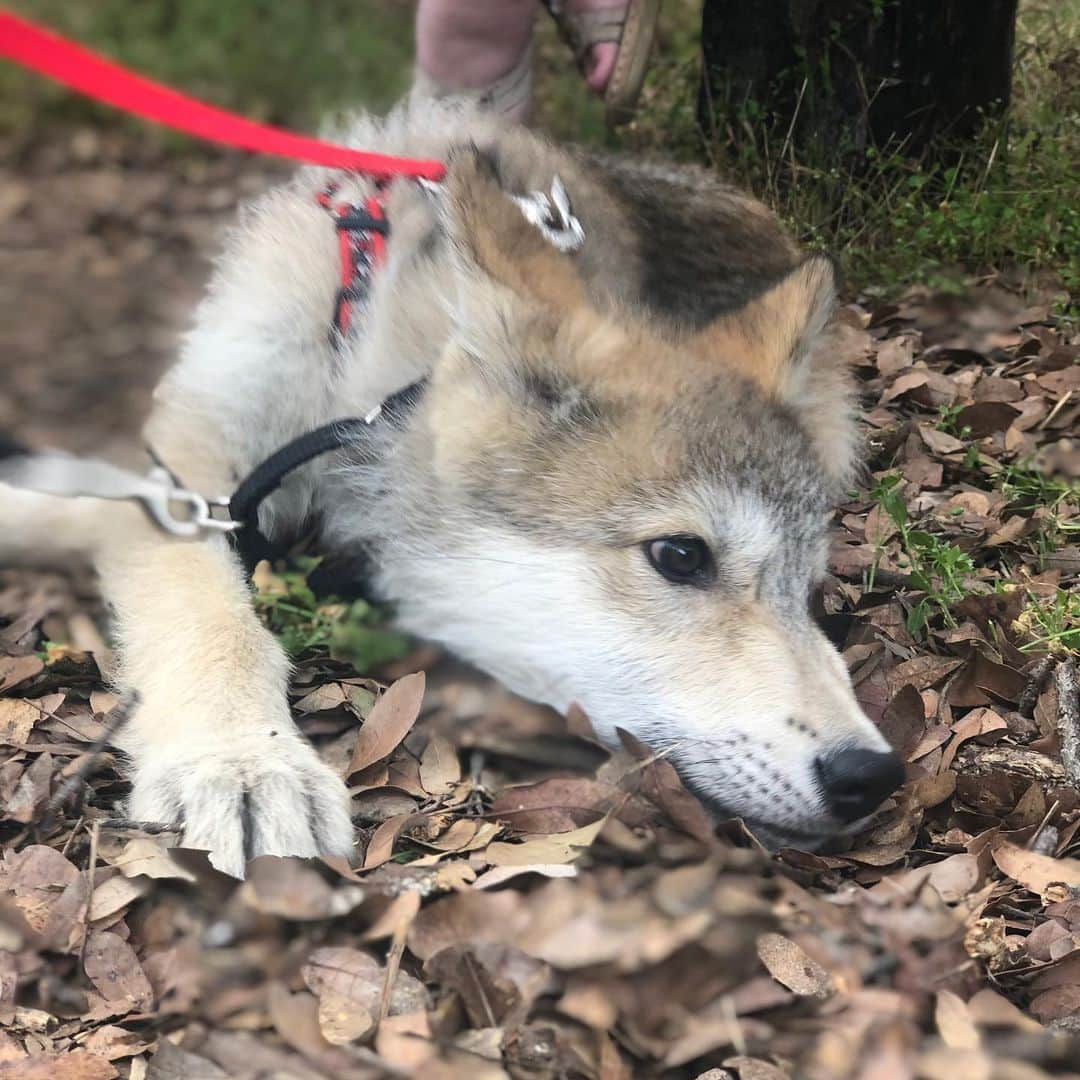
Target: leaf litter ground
524, 902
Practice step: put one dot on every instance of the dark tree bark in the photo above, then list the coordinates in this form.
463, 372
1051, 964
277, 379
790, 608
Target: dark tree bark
856, 73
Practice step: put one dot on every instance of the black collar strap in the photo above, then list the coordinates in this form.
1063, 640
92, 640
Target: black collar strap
266, 478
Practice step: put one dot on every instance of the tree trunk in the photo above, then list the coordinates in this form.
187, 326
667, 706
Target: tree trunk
850, 74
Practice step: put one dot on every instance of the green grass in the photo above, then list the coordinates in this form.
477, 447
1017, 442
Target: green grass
941, 574
288, 63
1009, 203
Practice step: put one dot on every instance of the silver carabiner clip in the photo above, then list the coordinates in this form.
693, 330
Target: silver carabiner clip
55, 473
161, 494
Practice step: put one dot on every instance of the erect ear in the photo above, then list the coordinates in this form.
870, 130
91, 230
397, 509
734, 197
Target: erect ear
493, 235
767, 340
780, 342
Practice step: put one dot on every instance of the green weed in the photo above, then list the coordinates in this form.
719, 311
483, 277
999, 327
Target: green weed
349, 631
1052, 501
1028, 488
1052, 626
947, 421
934, 567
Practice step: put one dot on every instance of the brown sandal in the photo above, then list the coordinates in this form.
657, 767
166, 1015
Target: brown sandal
632, 27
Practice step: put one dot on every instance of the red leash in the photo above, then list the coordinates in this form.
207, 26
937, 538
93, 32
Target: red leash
49, 54
361, 230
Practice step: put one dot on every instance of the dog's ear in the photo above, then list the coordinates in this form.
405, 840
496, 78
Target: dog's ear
780, 341
493, 234
769, 339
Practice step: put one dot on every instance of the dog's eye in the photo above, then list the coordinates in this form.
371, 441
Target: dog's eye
684, 560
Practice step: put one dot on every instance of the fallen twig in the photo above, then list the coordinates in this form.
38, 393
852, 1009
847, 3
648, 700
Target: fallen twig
95, 831
1036, 680
151, 828
73, 785
1067, 683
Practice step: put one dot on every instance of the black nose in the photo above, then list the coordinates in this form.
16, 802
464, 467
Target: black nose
855, 781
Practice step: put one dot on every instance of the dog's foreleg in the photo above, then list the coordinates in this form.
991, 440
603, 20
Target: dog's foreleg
212, 743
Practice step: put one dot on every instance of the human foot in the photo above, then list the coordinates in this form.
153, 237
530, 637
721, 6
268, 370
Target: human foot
598, 61
611, 40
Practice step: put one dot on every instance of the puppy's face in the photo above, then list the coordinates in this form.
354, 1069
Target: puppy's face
635, 520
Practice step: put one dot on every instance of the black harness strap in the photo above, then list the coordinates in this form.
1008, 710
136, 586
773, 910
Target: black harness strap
266, 478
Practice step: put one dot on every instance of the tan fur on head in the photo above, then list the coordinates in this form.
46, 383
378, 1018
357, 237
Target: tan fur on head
493, 232
770, 336
780, 342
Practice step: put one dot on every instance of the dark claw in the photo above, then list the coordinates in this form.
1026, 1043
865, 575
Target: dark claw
247, 825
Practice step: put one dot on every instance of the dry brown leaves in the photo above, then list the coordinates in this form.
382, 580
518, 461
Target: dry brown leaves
525, 903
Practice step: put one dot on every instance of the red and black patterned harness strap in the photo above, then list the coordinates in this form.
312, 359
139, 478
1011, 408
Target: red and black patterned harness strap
362, 232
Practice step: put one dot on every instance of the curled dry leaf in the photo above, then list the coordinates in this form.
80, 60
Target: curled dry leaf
17, 720
343, 1020
114, 894
49, 892
558, 804
381, 845
289, 888
405, 1041
756, 1069
347, 971
114, 1043
148, 856
498, 984
440, 769
500, 874
390, 720
466, 917
170, 1062
661, 785
15, 670
32, 793
348, 974
904, 721
323, 699
1034, 871
296, 1017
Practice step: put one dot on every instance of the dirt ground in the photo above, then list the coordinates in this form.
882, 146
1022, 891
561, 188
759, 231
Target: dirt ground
106, 242
524, 902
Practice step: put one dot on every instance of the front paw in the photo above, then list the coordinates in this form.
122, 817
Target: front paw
263, 792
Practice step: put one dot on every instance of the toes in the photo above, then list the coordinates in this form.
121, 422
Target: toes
214, 817
155, 799
330, 814
283, 803
600, 65
281, 822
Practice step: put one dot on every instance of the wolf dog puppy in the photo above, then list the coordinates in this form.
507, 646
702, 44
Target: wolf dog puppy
613, 488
